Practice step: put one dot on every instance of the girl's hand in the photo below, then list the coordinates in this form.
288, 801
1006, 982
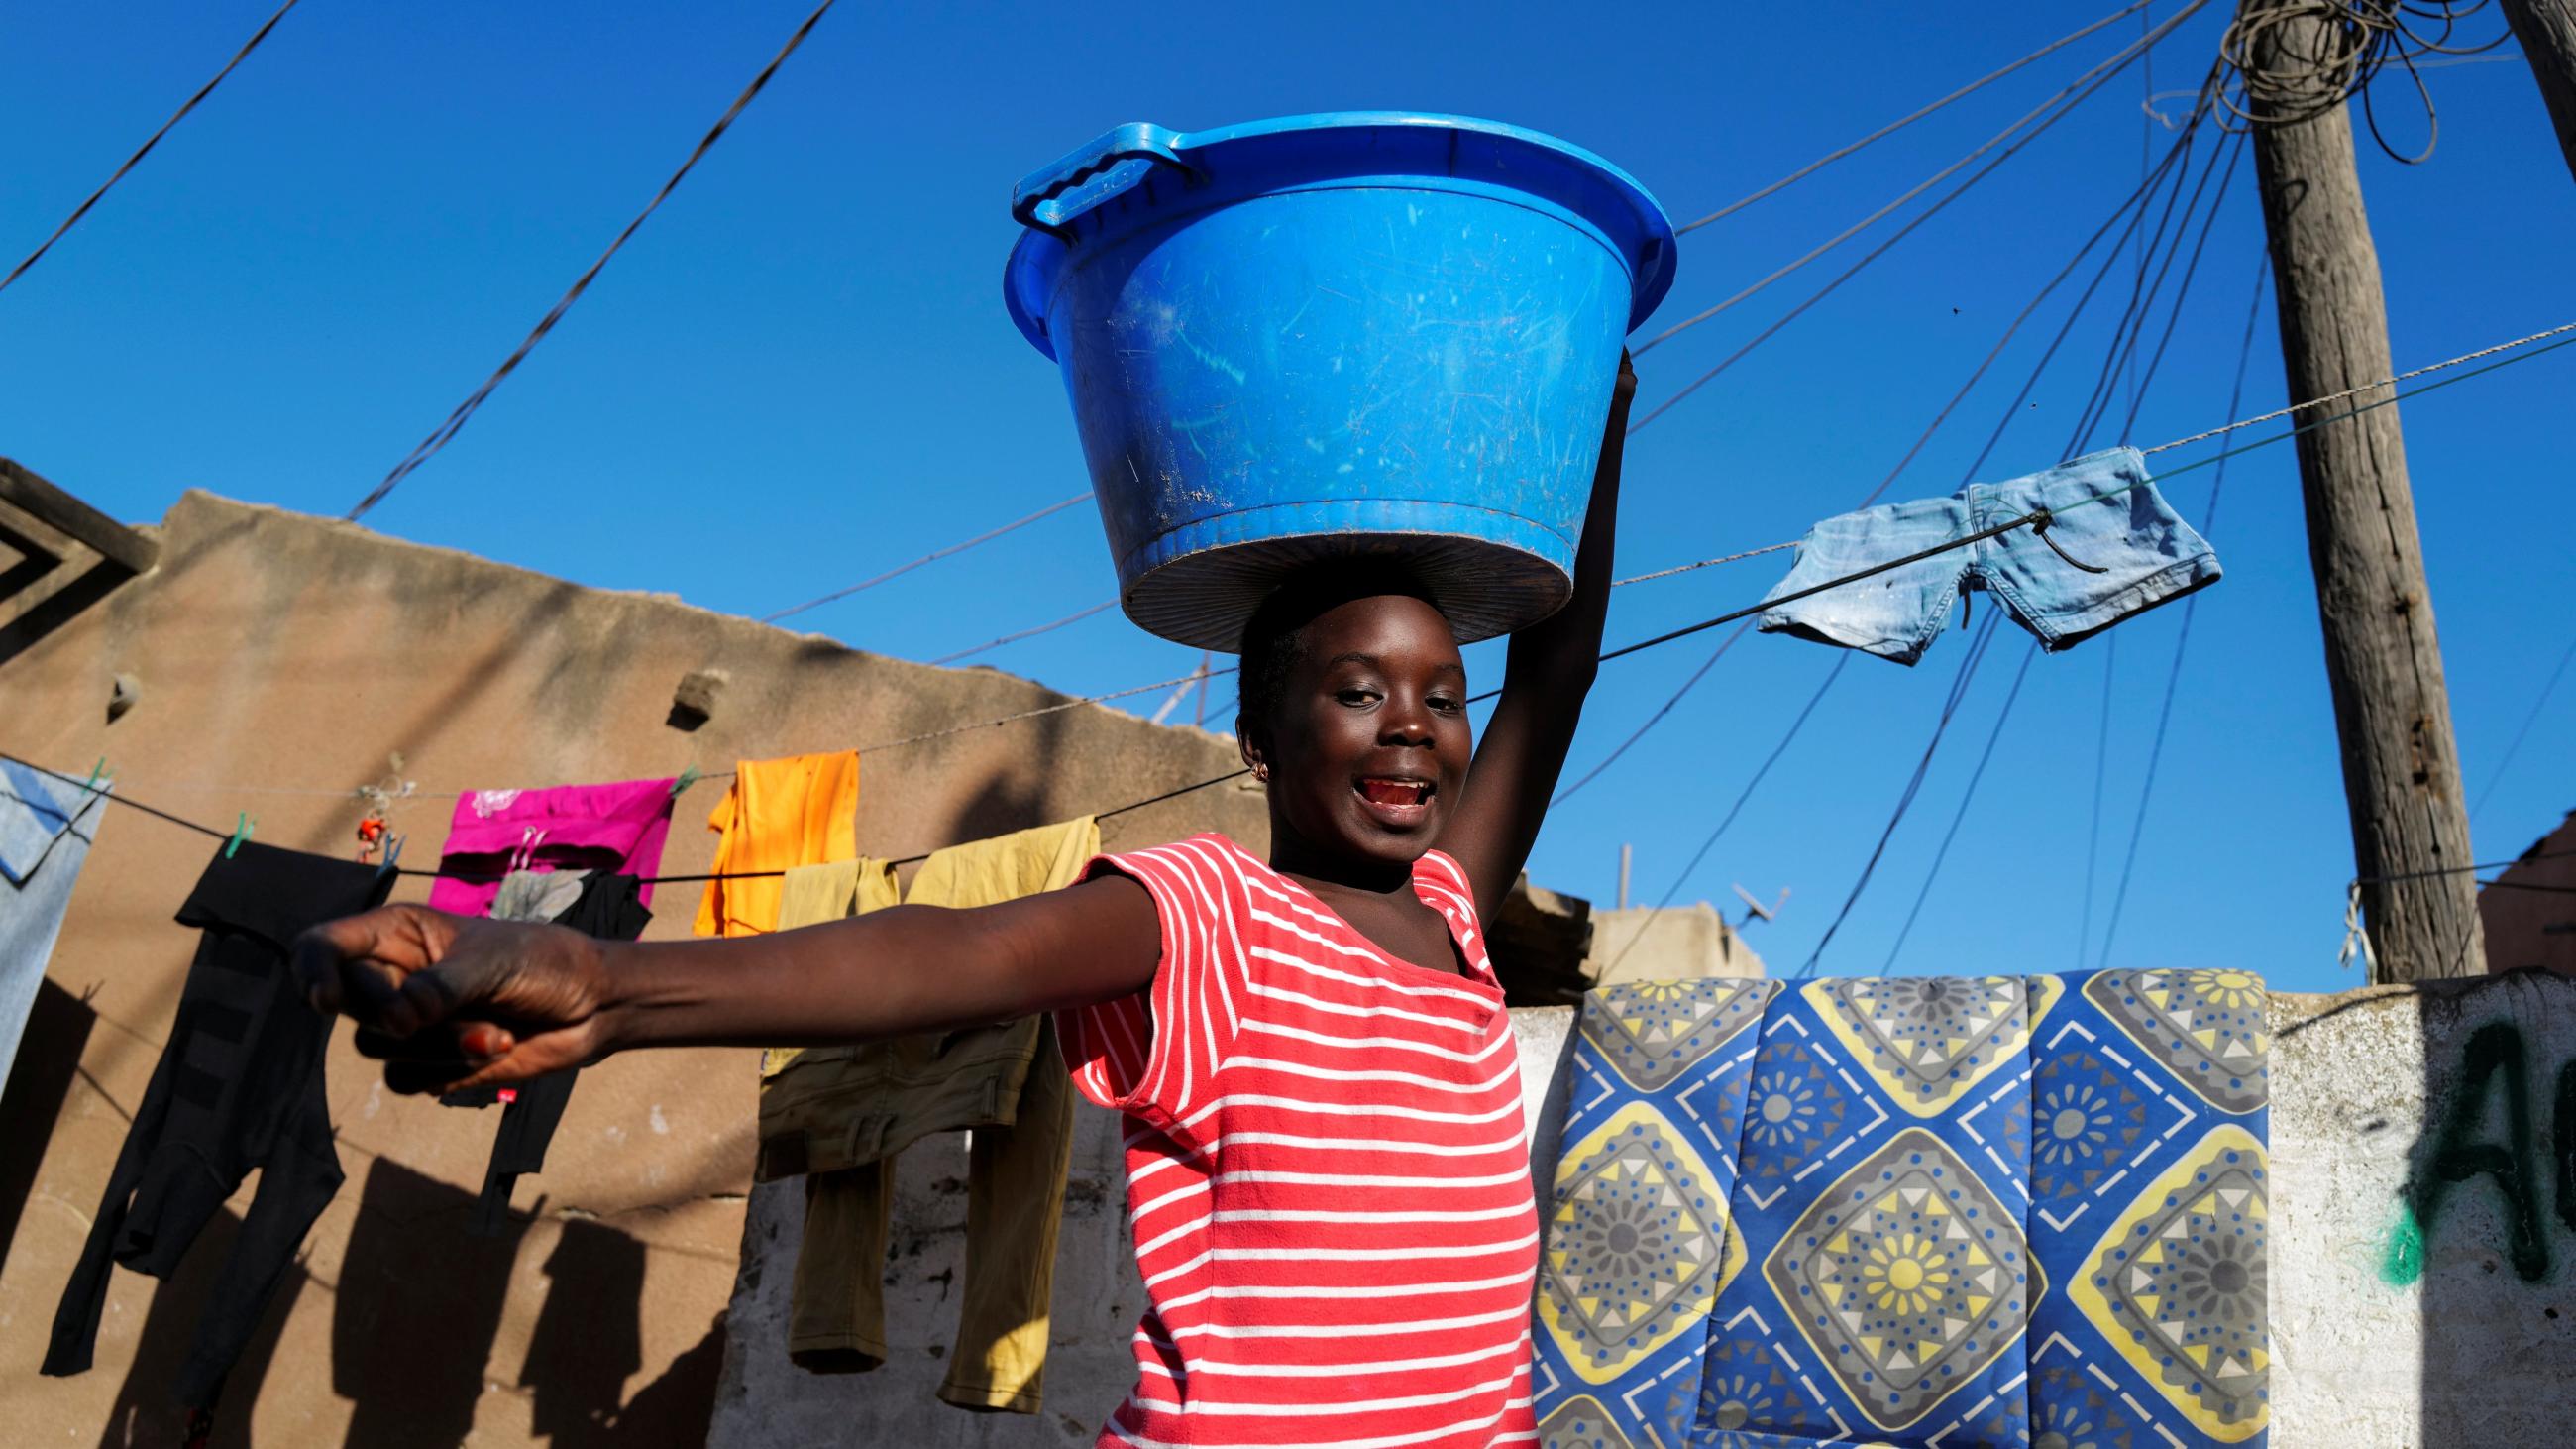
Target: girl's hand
454, 1001
1625, 390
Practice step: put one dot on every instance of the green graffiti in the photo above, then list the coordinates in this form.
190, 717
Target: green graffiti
2460, 1154
2402, 1262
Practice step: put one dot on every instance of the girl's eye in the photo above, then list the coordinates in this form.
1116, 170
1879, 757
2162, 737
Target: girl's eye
1355, 695
1447, 703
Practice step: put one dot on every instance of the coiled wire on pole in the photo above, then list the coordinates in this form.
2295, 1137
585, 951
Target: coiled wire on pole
2296, 60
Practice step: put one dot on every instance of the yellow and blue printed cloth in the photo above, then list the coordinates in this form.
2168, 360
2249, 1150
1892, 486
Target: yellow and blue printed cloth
1928, 1211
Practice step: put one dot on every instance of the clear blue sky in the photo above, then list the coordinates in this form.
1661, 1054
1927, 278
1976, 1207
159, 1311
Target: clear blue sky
800, 373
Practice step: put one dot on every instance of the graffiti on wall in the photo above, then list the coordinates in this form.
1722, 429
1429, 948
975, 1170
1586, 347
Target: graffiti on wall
2520, 1150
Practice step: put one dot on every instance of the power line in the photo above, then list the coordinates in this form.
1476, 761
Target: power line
1073, 618
2136, 201
2101, 774
2155, 360
1901, 233
1709, 843
2448, 362
1654, 719
440, 436
2118, 61
1892, 127
1059, 506
145, 149
2114, 362
1959, 817
1905, 801
2496, 776
2131, 330
2182, 639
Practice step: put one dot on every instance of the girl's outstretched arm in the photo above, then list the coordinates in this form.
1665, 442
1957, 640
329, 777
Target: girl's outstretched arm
452, 1001
1550, 670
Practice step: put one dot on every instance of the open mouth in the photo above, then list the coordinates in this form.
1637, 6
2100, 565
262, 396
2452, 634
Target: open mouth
1398, 799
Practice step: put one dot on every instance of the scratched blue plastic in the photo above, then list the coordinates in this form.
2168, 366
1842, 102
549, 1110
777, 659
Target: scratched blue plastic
1363, 333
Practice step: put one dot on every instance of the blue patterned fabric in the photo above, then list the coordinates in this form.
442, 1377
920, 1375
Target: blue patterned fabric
1935, 1211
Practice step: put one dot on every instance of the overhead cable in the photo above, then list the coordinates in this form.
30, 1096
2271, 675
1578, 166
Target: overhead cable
2182, 637
2355, 41
2300, 407
1059, 506
1958, 817
2496, 775
2064, 101
1900, 234
1682, 877
1976, 654
145, 149
440, 436
1073, 618
1892, 127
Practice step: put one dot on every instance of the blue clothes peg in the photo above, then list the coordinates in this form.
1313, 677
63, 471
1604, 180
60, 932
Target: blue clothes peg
242, 824
393, 853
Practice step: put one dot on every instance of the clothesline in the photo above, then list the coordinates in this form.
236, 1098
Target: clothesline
2038, 516
2277, 413
2566, 335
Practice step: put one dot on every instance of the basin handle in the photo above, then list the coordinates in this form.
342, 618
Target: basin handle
1051, 197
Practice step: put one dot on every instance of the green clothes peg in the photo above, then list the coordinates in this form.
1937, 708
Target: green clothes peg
241, 831
681, 785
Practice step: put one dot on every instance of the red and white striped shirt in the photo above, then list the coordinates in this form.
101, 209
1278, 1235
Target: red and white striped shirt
1326, 1166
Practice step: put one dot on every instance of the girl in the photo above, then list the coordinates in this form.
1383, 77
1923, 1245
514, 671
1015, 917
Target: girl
1327, 1171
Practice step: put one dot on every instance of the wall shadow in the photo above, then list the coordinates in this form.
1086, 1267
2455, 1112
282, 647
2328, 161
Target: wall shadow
2486, 1226
579, 1357
49, 1055
146, 1415
418, 1308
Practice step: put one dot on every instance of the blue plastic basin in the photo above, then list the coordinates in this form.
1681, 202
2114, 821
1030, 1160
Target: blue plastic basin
1334, 336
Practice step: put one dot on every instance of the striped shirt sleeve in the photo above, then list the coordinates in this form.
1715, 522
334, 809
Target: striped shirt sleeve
1151, 1054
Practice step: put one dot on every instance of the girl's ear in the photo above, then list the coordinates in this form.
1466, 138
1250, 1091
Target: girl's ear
1254, 758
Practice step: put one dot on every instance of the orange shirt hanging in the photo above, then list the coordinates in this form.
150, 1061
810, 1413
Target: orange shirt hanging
780, 814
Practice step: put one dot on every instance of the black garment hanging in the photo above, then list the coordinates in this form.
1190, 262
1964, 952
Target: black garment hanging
609, 911
239, 1087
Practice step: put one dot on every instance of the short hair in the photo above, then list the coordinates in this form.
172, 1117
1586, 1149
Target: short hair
1274, 638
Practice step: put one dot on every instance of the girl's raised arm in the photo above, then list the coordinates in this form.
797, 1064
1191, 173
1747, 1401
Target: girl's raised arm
1550, 670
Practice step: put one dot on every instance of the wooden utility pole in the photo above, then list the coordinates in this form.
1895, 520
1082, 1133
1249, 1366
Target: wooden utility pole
2547, 31
2401, 773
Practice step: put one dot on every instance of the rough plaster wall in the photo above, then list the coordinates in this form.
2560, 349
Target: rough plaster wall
285, 651
765, 1402
2480, 1349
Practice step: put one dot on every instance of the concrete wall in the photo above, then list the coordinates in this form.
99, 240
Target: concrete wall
2454, 1326
2471, 1342
1642, 943
293, 654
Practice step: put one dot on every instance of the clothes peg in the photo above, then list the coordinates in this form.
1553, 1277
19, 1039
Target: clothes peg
95, 772
393, 853
681, 785
242, 825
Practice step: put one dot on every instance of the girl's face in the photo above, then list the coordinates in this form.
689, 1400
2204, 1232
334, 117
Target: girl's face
1369, 749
